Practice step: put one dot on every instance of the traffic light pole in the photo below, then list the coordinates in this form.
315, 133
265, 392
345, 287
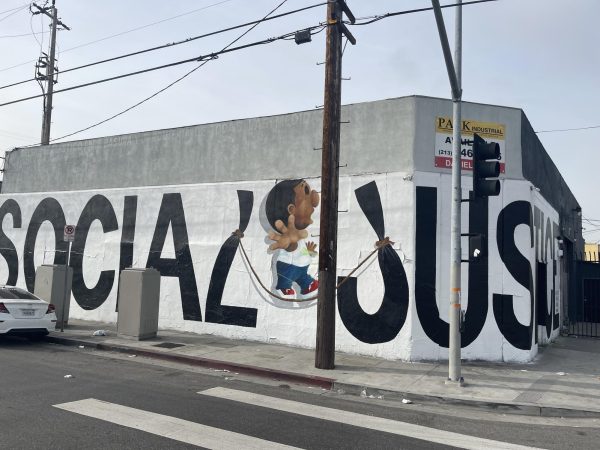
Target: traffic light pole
454, 314
454, 74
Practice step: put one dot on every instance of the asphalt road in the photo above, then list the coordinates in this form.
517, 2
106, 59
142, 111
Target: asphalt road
112, 401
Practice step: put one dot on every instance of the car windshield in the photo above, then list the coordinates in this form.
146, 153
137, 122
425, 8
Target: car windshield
14, 293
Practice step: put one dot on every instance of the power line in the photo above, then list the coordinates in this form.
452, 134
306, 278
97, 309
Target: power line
379, 17
121, 33
173, 44
147, 25
203, 58
568, 129
23, 6
185, 41
6, 36
216, 54
174, 82
18, 10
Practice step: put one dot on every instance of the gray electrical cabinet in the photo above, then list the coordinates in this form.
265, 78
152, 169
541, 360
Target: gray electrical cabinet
139, 295
50, 286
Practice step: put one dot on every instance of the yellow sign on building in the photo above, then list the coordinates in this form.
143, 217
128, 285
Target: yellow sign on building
490, 131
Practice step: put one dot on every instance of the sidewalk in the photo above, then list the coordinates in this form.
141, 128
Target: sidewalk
563, 381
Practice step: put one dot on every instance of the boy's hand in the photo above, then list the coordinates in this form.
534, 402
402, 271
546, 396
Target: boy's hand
311, 247
289, 234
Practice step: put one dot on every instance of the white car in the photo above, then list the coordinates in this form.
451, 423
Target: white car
22, 313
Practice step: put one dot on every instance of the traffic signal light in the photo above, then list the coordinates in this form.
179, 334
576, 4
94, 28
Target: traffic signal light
477, 246
485, 173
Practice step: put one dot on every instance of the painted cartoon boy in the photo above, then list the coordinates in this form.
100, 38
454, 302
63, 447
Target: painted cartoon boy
289, 208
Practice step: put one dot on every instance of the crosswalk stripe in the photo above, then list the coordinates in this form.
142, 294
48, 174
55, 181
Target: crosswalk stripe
169, 427
361, 420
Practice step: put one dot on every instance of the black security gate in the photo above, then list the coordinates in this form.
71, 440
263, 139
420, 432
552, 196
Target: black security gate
584, 314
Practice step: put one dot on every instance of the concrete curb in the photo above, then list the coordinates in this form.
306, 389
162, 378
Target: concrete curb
499, 407
292, 377
332, 383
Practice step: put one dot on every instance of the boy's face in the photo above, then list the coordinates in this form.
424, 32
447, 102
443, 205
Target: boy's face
304, 205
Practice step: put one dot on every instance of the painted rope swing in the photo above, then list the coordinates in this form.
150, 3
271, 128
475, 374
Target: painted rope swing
378, 246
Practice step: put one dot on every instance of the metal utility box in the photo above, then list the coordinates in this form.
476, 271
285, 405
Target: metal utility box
50, 286
139, 295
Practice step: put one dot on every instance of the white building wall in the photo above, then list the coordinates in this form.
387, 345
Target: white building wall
212, 213
193, 175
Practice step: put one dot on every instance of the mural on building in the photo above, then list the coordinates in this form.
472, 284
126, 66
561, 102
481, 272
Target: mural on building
289, 208
395, 307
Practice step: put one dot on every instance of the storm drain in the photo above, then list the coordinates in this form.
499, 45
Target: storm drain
168, 345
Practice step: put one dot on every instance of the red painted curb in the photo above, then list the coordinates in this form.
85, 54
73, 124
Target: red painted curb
281, 375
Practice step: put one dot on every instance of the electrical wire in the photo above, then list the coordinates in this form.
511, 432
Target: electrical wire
41, 44
23, 6
6, 36
203, 58
115, 35
33, 33
146, 26
379, 17
568, 129
173, 44
223, 50
18, 10
212, 56
376, 18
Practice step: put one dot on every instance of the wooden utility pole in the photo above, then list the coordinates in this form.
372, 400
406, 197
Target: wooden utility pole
325, 344
51, 69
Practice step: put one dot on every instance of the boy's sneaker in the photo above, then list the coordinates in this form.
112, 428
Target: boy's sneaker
287, 293
311, 288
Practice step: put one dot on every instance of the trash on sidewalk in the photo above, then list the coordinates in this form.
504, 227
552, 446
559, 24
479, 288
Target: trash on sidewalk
132, 356
100, 333
81, 346
68, 376
562, 374
406, 401
364, 394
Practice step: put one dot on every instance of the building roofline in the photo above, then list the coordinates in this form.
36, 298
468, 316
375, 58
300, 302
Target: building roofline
147, 132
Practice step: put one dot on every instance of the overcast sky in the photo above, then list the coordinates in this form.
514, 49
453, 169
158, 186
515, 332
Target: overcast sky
538, 55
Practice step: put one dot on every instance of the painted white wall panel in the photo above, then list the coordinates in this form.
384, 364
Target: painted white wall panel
212, 213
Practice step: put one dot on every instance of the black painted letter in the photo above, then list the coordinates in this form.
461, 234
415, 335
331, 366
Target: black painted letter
7, 248
97, 208
215, 312
437, 329
171, 213
386, 323
48, 209
513, 215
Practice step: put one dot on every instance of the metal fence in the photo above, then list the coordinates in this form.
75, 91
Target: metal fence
584, 313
